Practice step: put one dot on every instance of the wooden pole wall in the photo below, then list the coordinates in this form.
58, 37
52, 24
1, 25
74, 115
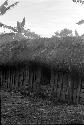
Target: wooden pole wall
62, 86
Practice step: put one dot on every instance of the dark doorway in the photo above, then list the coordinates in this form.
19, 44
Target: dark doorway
45, 76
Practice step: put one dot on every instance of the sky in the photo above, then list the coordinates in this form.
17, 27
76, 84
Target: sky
45, 17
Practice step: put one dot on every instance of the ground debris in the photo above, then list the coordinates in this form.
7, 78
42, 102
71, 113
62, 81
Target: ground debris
19, 111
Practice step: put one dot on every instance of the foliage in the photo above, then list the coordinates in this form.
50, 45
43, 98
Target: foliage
80, 22
82, 2
4, 7
76, 33
19, 31
66, 32
20, 25
57, 34
63, 33
78, 1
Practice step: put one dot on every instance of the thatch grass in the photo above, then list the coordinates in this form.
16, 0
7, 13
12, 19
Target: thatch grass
66, 53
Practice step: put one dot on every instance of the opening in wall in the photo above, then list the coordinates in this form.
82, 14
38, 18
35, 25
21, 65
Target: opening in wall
45, 76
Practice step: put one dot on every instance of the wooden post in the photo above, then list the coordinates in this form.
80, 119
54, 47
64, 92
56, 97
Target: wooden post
69, 89
9, 78
52, 80
60, 86
82, 91
27, 76
13, 80
16, 80
64, 87
52, 83
31, 79
78, 91
1, 78
74, 96
74, 91
6, 75
36, 83
56, 82
21, 78
38, 76
34, 79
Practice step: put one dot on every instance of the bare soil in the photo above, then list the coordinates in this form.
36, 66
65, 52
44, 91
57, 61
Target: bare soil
19, 110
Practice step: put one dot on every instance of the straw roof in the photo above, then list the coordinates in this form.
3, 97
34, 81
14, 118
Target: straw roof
66, 53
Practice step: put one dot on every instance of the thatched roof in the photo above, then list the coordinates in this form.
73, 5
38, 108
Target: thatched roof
67, 53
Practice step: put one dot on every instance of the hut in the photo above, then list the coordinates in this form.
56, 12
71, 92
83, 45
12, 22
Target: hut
53, 68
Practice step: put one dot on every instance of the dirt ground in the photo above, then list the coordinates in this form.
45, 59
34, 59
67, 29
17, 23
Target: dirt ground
19, 110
